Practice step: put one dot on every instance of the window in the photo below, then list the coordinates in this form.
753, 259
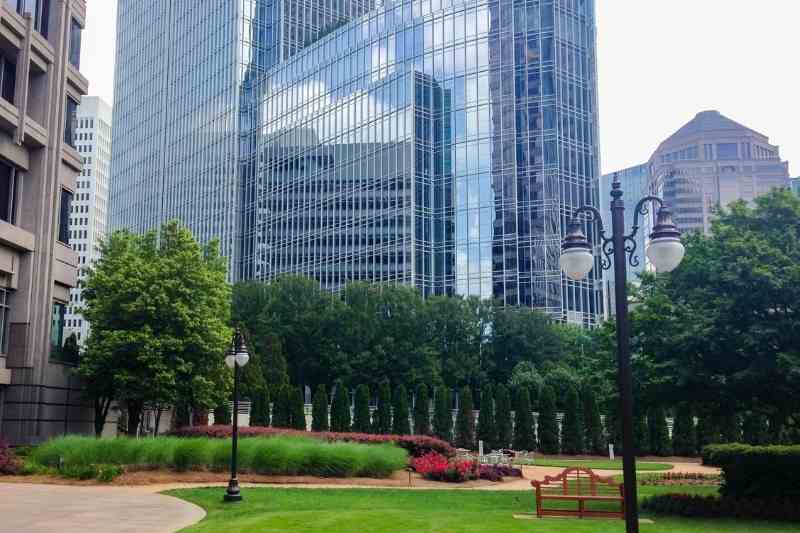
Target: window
75, 44
8, 73
8, 190
57, 325
63, 216
39, 10
727, 151
70, 121
4, 315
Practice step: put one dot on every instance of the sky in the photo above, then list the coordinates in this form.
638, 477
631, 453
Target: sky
660, 62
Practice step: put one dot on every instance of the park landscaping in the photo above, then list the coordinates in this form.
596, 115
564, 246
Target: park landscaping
594, 464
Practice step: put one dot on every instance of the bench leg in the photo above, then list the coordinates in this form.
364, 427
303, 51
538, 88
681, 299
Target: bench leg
580, 508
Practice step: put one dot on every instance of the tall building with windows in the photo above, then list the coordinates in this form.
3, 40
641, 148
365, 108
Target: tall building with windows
442, 143
40, 87
796, 185
89, 212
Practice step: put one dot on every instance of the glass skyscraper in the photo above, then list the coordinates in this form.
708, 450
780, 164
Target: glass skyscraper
439, 143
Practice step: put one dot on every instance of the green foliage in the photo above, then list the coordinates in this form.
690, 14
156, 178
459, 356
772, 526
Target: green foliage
594, 441
548, 424
222, 414
361, 414
465, 420
400, 418
422, 411
524, 433
754, 429
683, 433
297, 409
729, 428
382, 421
572, 430
706, 431
486, 430
641, 433
319, 410
502, 418
443, 415
525, 374
658, 432
281, 410
756, 471
259, 410
340, 410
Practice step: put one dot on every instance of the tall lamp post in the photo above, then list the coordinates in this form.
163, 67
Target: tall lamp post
235, 359
665, 252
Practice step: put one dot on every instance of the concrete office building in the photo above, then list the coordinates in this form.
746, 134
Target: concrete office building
41, 87
440, 144
89, 213
796, 185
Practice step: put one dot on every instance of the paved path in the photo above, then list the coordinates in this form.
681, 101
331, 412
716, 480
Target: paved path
47, 508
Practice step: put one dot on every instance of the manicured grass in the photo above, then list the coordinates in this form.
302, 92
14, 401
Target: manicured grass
277, 455
594, 464
383, 510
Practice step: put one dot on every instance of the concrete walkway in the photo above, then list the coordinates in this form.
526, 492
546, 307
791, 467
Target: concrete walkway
47, 508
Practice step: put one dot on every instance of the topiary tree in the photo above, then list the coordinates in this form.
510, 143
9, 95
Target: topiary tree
658, 432
548, 424
222, 415
259, 409
422, 411
382, 423
465, 421
683, 436
297, 409
502, 418
443, 415
400, 425
319, 410
340, 409
572, 425
524, 434
280, 410
641, 435
361, 417
486, 430
594, 442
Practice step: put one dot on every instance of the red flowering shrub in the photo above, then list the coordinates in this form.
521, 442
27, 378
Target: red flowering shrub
416, 445
498, 472
9, 464
436, 467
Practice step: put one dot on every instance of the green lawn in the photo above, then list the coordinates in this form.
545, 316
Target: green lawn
595, 464
383, 510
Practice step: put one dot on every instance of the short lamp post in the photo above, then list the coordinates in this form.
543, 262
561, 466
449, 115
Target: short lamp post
665, 252
235, 359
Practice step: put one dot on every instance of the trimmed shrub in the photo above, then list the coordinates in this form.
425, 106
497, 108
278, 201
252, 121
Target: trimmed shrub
443, 415
524, 433
259, 411
502, 418
592, 423
340, 410
281, 412
400, 424
730, 429
683, 437
465, 420
571, 426
696, 506
222, 414
9, 464
706, 431
754, 429
641, 435
765, 472
319, 410
486, 430
658, 432
361, 417
382, 422
297, 409
548, 424
422, 411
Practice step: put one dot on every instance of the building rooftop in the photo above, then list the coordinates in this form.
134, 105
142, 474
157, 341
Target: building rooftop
709, 121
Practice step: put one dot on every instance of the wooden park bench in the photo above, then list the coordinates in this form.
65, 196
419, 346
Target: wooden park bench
582, 486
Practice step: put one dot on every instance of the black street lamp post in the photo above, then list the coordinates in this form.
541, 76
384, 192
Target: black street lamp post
665, 252
236, 358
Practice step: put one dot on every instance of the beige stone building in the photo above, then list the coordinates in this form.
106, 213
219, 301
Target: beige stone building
40, 89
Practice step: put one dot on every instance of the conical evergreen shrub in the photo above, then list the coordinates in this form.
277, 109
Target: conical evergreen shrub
572, 425
340, 409
465, 420
222, 415
524, 434
614, 425
683, 436
658, 432
729, 428
594, 442
259, 409
754, 429
400, 424
548, 424
706, 432
422, 411
297, 409
281, 416
641, 434
361, 415
486, 430
319, 410
382, 422
443, 415
502, 418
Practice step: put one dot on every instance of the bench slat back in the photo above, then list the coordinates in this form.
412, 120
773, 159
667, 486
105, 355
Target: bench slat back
578, 482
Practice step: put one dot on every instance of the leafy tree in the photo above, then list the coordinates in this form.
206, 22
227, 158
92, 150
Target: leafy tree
422, 411
486, 430
524, 433
319, 410
658, 431
259, 410
572, 426
465, 420
443, 415
525, 374
382, 422
340, 410
548, 424
519, 333
561, 379
361, 415
400, 420
297, 410
159, 306
641, 434
683, 436
222, 415
593, 424
502, 417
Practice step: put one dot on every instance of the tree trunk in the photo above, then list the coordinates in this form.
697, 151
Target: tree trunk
134, 417
101, 406
159, 410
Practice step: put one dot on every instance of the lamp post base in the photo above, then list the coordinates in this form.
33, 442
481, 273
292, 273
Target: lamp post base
232, 494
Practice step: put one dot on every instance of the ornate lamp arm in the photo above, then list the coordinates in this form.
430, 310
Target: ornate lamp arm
642, 209
606, 244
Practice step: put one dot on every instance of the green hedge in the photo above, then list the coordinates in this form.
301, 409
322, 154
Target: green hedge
276, 456
756, 471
